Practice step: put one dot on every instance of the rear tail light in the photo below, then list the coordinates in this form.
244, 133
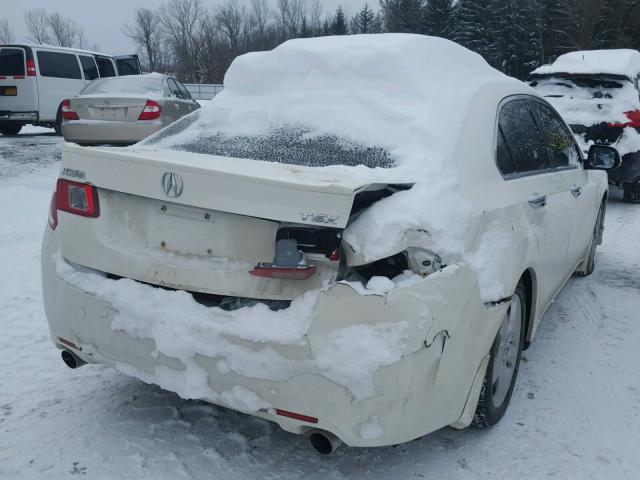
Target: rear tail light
67, 111
77, 198
53, 212
634, 120
151, 111
31, 68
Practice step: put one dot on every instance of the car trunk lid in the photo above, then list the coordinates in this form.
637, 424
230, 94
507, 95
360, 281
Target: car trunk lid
202, 223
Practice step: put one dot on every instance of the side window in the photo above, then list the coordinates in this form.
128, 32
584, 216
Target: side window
105, 67
521, 134
562, 147
59, 65
89, 67
173, 88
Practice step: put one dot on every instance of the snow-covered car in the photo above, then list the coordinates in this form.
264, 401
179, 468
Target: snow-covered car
124, 110
358, 246
598, 94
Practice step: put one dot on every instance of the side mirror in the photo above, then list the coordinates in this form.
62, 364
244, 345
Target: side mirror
602, 157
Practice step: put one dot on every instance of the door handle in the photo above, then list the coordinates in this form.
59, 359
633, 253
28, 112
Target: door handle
576, 191
538, 201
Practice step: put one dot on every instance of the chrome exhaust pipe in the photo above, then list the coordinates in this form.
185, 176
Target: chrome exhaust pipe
324, 442
71, 360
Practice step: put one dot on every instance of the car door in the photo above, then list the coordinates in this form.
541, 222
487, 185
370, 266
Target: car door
581, 194
60, 77
524, 161
181, 105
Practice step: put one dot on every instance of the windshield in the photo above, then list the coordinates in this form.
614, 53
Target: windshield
124, 85
289, 144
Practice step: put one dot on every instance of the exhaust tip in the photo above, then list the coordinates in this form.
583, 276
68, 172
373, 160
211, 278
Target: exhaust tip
71, 360
324, 443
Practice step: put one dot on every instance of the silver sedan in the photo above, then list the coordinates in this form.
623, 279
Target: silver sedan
124, 110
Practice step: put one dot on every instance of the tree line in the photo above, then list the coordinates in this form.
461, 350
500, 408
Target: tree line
198, 41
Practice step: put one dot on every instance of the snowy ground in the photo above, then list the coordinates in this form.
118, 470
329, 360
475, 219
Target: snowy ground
575, 413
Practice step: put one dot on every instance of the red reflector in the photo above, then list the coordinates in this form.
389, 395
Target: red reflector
53, 212
77, 198
31, 68
296, 416
151, 111
269, 271
67, 111
69, 344
335, 255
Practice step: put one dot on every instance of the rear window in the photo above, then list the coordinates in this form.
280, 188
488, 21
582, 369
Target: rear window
59, 65
89, 67
293, 145
124, 85
11, 62
595, 87
105, 67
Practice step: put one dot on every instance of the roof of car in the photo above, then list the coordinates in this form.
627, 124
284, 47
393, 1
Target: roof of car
55, 47
616, 62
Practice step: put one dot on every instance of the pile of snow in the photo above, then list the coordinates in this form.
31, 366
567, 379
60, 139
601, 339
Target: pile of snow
614, 62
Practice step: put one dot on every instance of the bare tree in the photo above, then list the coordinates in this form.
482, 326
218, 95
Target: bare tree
182, 20
147, 34
6, 32
64, 31
37, 21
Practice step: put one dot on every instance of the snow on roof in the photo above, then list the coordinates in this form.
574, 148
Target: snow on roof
617, 62
406, 93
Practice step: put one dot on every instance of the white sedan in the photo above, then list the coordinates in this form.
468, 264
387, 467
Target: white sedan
356, 240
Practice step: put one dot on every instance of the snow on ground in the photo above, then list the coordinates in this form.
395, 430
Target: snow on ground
575, 413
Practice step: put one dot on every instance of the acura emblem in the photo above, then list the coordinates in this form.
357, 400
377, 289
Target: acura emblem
172, 184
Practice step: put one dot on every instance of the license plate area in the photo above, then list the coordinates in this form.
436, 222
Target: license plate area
8, 91
109, 113
194, 231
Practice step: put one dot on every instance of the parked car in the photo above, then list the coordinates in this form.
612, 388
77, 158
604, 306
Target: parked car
358, 246
124, 110
598, 94
35, 79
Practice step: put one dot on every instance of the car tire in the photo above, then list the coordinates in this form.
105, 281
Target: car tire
57, 126
504, 362
10, 128
587, 267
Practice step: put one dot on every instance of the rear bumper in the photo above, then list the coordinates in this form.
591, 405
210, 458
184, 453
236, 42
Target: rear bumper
87, 132
21, 117
446, 333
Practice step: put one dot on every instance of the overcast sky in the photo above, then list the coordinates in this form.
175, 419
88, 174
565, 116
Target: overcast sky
103, 19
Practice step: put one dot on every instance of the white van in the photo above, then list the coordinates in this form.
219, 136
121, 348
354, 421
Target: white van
35, 79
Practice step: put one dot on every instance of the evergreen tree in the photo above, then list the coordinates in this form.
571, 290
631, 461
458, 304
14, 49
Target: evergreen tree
339, 24
363, 21
438, 18
403, 15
